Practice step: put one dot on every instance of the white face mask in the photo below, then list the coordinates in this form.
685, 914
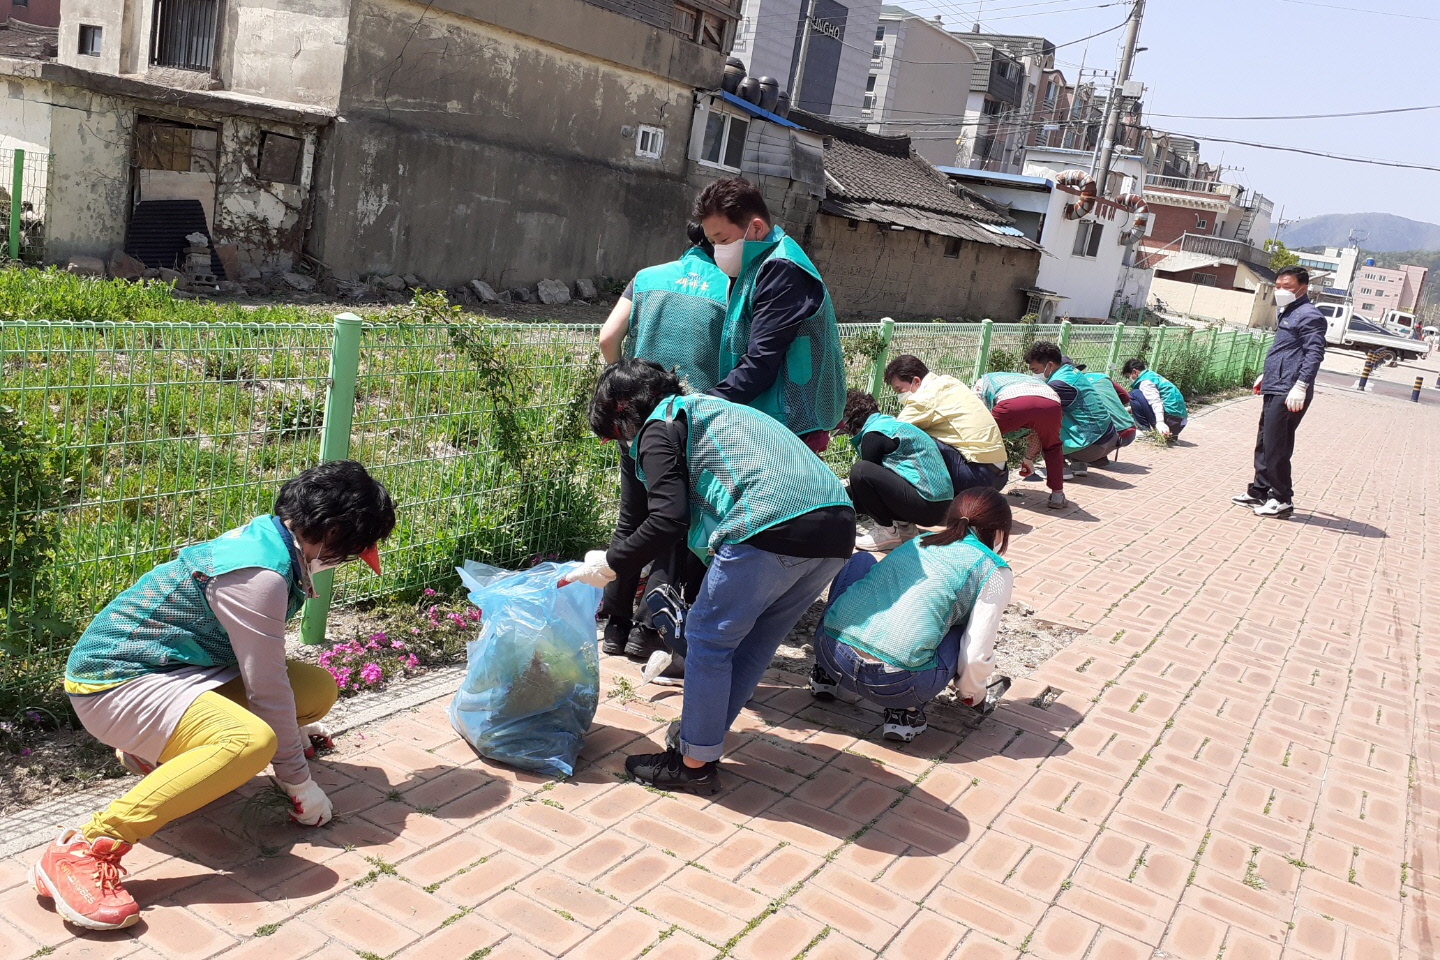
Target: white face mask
318, 566
1283, 298
729, 256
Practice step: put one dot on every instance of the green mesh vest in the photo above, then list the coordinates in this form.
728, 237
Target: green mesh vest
678, 315
902, 607
917, 459
1086, 420
1170, 394
747, 473
991, 385
809, 392
1120, 418
164, 621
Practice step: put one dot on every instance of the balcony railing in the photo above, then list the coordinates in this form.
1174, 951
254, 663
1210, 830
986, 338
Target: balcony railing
1206, 187
1221, 247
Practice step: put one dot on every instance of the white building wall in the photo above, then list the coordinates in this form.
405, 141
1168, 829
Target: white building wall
765, 41
924, 77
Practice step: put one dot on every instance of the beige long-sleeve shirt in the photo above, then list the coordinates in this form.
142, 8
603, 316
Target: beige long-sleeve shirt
950, 412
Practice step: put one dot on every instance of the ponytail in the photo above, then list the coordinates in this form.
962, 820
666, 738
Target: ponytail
981, 511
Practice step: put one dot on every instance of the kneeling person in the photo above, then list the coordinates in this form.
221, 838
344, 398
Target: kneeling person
899, 631
946, 409
1156, 403
900, 479
1086, 434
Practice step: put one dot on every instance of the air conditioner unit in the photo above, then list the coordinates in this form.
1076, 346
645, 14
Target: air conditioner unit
1047, 311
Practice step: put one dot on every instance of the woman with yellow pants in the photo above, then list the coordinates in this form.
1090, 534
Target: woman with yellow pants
185, 675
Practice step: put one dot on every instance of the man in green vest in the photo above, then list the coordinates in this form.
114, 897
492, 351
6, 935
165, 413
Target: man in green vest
1156, 403
1086, 433
780, 349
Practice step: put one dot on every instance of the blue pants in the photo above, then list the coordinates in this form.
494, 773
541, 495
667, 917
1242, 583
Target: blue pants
749, 601
1145, 416
964, 474
891, 688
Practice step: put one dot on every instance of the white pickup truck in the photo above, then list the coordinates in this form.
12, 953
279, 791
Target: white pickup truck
1345, 328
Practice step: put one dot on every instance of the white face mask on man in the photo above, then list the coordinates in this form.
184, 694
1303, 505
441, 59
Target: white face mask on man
730, 256
1283, 298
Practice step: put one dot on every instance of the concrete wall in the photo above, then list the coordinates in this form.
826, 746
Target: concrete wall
290, 50
112, 18
925, 76
470, 151
24, 117
768, 44
875, 271
1231, 306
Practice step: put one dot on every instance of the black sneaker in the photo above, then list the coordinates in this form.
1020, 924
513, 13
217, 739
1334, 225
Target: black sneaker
617, 634
904, 725
1245, 500
822, 685
643, 642
667, 771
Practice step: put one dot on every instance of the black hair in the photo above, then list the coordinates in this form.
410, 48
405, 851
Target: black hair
1043, 351
906, 367
859, 407
734, 198
1301, 275
338, 506
696, 234
627, 393
983, 511
1133, 366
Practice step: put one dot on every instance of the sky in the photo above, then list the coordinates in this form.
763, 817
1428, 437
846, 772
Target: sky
1232, 58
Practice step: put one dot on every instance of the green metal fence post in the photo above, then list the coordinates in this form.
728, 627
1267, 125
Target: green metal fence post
982, 356
1113, 360
1153, 361
17, 183
334, 445
1064, 339
877, 370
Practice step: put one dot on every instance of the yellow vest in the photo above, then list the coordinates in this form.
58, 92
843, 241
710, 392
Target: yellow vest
950, 412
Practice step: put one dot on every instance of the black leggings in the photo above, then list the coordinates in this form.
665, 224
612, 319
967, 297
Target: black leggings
886, 497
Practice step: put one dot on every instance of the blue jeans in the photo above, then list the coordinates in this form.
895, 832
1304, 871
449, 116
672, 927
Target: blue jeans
1145, 416
965, 475
749, 601
891, 688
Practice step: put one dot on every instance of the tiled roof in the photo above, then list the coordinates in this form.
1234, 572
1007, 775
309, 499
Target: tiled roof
20, 39
861, 174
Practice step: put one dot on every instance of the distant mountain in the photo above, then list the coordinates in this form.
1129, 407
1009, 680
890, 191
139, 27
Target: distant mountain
1383, 232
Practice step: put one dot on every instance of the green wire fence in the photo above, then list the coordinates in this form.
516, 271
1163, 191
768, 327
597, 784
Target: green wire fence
121, 442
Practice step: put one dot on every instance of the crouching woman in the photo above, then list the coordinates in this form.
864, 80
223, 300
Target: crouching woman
897, 632
185, 675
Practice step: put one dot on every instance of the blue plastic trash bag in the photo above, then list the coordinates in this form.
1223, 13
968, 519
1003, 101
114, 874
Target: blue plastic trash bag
533, 679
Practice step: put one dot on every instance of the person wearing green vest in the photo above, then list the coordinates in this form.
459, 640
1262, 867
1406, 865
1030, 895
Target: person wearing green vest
780, 349
1019, 401
1156, 403
770, 520
673, 314
900, 479
1114, 398
900, 631
1086, 434
185, 675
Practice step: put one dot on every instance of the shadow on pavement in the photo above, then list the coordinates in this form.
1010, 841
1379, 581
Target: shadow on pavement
1352, 528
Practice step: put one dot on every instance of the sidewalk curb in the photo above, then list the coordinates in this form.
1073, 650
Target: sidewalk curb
40, 823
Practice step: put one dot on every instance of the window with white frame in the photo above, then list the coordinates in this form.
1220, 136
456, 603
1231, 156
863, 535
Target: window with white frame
724, 140
1201, 223
649, 142
90, 40
868, 103
1087, 239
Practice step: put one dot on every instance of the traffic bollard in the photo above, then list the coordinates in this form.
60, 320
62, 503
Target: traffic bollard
1415, 394
1365, 374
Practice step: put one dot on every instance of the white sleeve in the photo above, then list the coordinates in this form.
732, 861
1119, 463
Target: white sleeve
1151, 394
977, 653
250, 604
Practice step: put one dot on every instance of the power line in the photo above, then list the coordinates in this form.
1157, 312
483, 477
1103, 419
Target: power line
1305, 116
1312, 153
1377, 13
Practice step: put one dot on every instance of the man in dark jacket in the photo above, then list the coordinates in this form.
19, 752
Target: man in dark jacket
1287, 384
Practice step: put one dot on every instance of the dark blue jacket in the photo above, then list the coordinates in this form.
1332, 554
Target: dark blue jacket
1299, 346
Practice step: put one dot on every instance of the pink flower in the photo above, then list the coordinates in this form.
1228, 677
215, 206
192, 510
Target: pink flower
410, 662
428, 592
397, 644
371, 673
24, 751
415, 631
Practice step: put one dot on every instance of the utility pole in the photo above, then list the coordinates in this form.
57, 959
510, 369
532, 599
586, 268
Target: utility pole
1112, 106
806, 25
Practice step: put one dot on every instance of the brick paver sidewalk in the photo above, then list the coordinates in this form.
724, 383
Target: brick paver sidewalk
1236, 761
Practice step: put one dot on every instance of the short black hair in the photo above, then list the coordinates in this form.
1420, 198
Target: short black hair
627, 393
734, 198
1132, 366
696, 235
337, 505
1043, 351
1301, 275
859, 407
906, 367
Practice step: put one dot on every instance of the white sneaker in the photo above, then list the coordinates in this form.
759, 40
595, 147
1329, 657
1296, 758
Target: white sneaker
1274, 508
907, 530
1040, 472
879, 539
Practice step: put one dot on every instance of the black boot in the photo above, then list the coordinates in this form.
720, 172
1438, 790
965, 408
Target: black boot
617, 634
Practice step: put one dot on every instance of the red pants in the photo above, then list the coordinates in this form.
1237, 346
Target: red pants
1042, 416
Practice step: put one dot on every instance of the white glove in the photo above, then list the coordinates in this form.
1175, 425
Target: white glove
316, 736
593, 571
312, 807
1295, 399
1163, 428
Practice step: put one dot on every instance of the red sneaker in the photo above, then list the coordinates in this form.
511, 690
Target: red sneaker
84, 880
